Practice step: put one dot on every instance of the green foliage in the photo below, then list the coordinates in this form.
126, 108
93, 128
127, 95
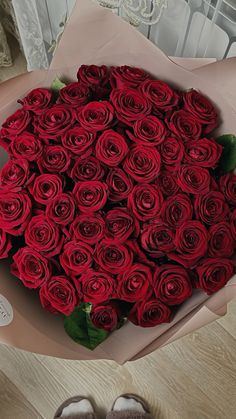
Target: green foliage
228, 158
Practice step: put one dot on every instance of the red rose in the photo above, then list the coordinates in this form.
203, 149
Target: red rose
31, 267
135, 284
185, 125
120, 224
46, 187
15, 212
172, 151
61, 209
202, 109
58, 294
221, 243
157, 239
44, 236
88, 228
142, 164
111, 148
55, 159
213, 274
166, 181
90, 196
145, 201
105, 316
75, 94
191, 242
96, 77
126, 76
172, 284
76, 258
37, 100
149, 313
139, 255
5, 244
176, 210
78, 140
53, 122
211, 208
148, 131
193, 180
15, 174
119, 183
96, 116
97, 286
26, 146
204, 152
228, 188
130, 105
233, 224
161, 96
113, 257
86, 169
16, 123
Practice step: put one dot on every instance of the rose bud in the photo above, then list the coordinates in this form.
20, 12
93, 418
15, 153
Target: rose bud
172, 152
15, 174
204, 153
111, 148
5, 244
37, 100
58, 294
221, 242
119, 183
31, 267
149, 313
113, 257
176, 210
105, 316
26, 146
228, 188
44, 236
142, 164
78, 140
191, 242
172, 284
16, 123
211, 208
157, 239
55, 159
145, 201
184, 125
130, 105
96, 286
75, 94
46, 187
76, 258
53, 122
96, 116
15, 212
135, 284
61, 210
90, 196
213, 274
148, 131
126, 76
166, 181
86, 169
88, 228
202, 109
192, 180
160, 94
120, 224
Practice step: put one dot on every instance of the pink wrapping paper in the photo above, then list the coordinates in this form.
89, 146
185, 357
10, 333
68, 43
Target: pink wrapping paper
96, 36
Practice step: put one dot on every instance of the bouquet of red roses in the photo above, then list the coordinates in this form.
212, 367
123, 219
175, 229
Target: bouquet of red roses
116, 202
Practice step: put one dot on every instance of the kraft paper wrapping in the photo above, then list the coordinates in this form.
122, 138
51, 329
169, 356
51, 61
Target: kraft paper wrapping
96, 36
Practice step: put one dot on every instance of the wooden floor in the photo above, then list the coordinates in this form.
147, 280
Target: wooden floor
193, 378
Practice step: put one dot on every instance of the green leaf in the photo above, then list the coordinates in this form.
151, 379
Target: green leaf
80, 328
57, 84
228, 158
